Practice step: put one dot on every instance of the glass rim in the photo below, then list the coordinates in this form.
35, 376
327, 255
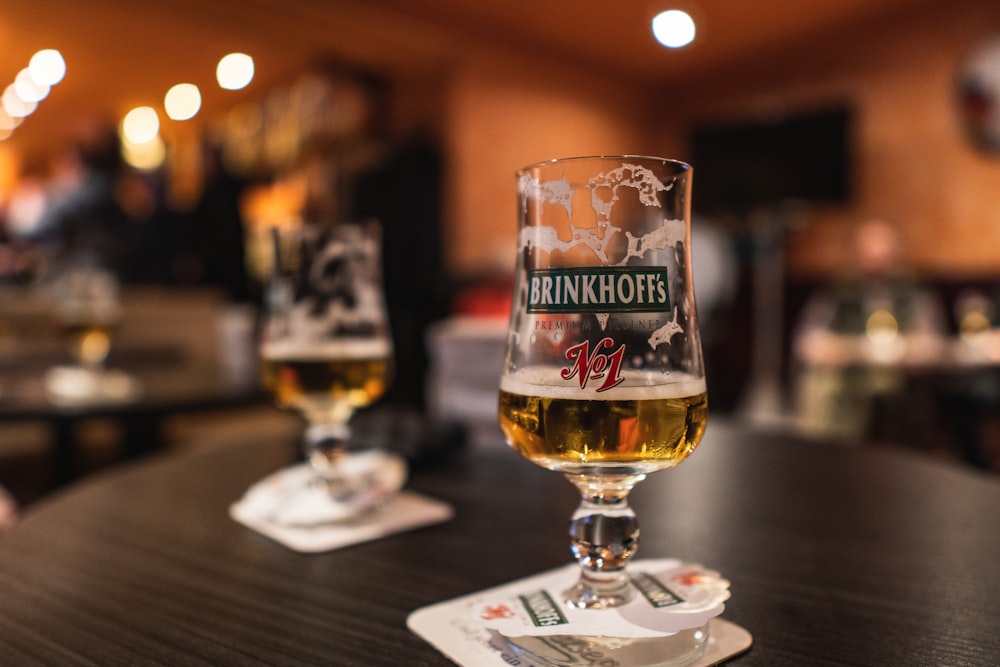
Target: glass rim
683, 166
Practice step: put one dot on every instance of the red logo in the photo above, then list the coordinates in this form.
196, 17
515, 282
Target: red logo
688, 578
499, 611
587, 366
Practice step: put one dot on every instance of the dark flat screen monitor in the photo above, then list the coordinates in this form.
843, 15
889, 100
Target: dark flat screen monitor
745, 166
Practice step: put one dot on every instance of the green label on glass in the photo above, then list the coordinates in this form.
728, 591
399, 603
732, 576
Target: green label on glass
543, 611
610, 289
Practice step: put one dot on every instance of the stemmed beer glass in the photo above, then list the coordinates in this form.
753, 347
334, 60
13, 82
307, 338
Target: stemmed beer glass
603, 377
87, 311
326, 347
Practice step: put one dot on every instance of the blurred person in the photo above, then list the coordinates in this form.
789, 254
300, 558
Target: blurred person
856, 337
21, 258
20, 262
212, 249
403, 192
83, 221
159, 232
971, 397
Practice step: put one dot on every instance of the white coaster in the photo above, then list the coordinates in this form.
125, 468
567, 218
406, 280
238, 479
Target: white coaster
457, 629
290, 508
671, 596
294, 496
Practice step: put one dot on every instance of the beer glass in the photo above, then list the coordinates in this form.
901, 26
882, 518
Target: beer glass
87, 310
326, 349
603, 377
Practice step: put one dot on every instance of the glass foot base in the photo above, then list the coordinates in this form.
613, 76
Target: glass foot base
677, 650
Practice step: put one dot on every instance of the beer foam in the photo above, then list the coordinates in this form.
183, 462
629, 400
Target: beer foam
319, 351
545, 382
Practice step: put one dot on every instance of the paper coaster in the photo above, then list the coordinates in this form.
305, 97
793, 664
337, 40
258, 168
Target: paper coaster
454, 627
294, 496
670, 597
290, 507
406, 510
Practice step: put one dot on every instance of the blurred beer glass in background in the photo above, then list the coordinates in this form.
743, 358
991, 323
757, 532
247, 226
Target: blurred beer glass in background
326, 348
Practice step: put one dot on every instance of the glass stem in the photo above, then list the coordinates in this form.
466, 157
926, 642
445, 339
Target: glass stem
325, 446
604, 535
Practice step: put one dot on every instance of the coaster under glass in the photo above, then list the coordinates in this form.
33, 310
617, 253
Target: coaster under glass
677, 650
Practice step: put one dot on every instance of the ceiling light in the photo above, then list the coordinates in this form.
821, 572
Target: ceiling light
146, 156
7, 122
182, 101
673, 28
27, 89
140, 125
47, 67
234, 71
14, 105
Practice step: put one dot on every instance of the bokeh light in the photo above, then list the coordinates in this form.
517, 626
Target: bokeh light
182, 101
8, 122
47, 67
140, 125
31, 85
145, 156
673, 28
234, 71
27, 89
14, 105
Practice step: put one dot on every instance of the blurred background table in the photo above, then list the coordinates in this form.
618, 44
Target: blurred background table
166, 385
837, 556
185, 351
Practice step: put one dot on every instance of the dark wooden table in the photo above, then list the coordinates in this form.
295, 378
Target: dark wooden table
837, 556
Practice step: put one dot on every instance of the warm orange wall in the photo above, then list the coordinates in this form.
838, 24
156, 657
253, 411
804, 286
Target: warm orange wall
506, 111
914, 166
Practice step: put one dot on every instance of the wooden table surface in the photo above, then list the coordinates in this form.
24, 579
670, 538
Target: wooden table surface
837, 556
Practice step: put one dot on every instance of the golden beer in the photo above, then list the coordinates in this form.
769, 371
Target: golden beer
89, 342
634, 426
331, 380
